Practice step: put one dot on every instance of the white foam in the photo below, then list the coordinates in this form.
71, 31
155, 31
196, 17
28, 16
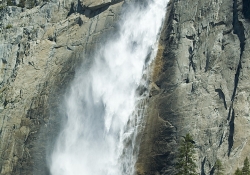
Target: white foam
102, 101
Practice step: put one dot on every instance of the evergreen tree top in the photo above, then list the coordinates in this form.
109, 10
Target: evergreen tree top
246, 167
186, 164
238, 172
218, 167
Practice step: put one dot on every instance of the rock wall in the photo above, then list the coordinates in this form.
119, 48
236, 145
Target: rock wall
200, 83
39, 51
200, 86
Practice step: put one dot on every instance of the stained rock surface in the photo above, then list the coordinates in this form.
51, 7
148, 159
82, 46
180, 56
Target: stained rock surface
40, 50
200, 86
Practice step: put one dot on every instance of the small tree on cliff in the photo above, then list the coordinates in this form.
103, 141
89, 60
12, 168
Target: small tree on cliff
238, 172
246, 167
218, 167
185, 164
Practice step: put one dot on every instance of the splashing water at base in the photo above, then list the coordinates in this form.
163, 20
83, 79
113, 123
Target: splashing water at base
99, 137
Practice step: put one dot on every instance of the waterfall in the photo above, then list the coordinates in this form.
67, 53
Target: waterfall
104, 107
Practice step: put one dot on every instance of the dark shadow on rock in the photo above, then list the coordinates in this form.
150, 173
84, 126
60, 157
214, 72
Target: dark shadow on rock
90, 12
202, 166
158, 148
212, 171
222, 96
71, 10
231, 133
246, 9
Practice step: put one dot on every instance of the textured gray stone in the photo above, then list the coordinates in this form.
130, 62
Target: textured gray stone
202, 79
38, 57
200, 83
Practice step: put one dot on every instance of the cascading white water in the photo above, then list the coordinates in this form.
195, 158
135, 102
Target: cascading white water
102, 100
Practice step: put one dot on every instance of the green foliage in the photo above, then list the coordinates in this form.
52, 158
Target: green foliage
9, 26
9, 3
246, 168
21, 3
218, 167
238, 172
31, 3
185, 164
2, 7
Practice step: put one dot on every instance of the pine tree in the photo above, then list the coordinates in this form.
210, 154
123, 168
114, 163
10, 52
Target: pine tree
218, 167
246, 168
185, 164
238, 172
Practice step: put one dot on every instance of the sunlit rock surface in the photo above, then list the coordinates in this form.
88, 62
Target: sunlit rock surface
95, 4
200, 83
200, 86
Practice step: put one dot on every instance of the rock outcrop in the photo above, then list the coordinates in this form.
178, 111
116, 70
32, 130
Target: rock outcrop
95, 4
200, 86
39, 51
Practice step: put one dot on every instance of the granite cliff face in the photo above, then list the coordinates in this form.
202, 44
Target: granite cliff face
200, 83
200, 86
39, 51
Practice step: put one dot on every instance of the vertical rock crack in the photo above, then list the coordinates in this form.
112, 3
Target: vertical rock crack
238, 29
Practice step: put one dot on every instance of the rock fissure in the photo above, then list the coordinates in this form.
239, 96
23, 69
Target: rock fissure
208, 60
221, 140
245, 9
202, 166
212, 171
231, 133
238, 29
222, 96
191, 55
